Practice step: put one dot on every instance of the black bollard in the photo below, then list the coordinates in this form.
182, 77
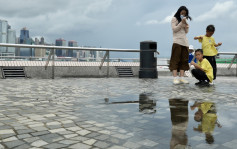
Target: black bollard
148, 60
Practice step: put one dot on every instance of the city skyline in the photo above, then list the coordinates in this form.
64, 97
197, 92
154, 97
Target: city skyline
121, 23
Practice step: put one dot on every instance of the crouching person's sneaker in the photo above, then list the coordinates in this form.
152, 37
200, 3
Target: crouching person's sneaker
204, 83
198, 83
212, 83
183, 81
176, 81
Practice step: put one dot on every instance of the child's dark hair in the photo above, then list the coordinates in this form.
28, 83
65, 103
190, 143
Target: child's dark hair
199, 50
177, 14
210, 28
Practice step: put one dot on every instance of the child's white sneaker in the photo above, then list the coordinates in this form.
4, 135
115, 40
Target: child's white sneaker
184, 81
176, 81
212, 83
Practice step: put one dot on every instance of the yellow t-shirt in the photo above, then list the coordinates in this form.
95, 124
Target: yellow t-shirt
205, 107
209, 119
208, 122
208, 46
206, 66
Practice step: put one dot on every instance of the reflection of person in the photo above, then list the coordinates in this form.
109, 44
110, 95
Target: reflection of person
209, 47
179, 55
203, 70
179, 119
206, 114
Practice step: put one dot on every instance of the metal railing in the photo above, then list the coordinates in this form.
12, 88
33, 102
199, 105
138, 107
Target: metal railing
51, 55
233, 59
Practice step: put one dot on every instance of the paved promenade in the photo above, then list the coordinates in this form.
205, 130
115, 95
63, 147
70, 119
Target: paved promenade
116, 113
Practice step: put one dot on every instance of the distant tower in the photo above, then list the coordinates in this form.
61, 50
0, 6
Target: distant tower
37, 42
42, 40
11, 38
3, 34
25, 39
72, 53
59, 52
24, 35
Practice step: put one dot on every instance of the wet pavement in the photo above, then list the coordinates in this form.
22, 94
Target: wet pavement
117, 113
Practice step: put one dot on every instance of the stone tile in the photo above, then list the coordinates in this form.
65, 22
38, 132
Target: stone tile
205, 146
70, 135
132, 145
39, 133
80, 138
39, 128
83, 132
102, 137
9, 139
68, 142
55, 146
30, 140
51, 138
148, 143
39, 143
53, 123
23, 136
74, 128
197, 138
6, 131
24, 146
101, 144
231, 144
24, 131
80, 146
117, 147
15, 143
57, 130
90, 141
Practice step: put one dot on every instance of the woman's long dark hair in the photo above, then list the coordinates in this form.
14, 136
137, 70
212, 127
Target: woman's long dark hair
177, 14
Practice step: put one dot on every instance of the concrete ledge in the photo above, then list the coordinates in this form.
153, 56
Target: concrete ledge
91, 69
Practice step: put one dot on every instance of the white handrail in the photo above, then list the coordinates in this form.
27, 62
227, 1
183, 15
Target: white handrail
67, 48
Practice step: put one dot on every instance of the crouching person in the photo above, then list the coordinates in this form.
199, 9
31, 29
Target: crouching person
203, 70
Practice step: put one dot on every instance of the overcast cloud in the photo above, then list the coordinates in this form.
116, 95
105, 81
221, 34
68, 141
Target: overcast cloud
120, 23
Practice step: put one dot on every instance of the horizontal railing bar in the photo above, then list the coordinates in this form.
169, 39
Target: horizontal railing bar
228, 53
67, 48
30, 57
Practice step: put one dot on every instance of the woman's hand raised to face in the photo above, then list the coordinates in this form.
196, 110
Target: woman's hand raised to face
184, 20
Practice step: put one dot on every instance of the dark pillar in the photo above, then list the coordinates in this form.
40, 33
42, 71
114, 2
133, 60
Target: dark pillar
148, 60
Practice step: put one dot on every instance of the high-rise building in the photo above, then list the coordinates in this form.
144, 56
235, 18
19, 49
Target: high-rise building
42, 40
3, 34
59, 52
72, 53
24, 36
11, 38
25, 39
40, 52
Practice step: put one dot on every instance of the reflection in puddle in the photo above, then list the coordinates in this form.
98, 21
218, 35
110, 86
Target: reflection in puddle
207, 118
146, 104
179, 119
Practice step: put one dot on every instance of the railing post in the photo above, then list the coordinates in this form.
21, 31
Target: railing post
108, 64
53, 64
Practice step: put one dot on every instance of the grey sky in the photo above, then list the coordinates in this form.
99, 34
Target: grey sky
120, 23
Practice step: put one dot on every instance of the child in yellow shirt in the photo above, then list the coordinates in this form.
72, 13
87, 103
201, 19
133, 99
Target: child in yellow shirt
203, 70
209, 47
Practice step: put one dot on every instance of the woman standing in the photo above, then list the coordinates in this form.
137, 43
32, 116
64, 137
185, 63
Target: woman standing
179, 55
